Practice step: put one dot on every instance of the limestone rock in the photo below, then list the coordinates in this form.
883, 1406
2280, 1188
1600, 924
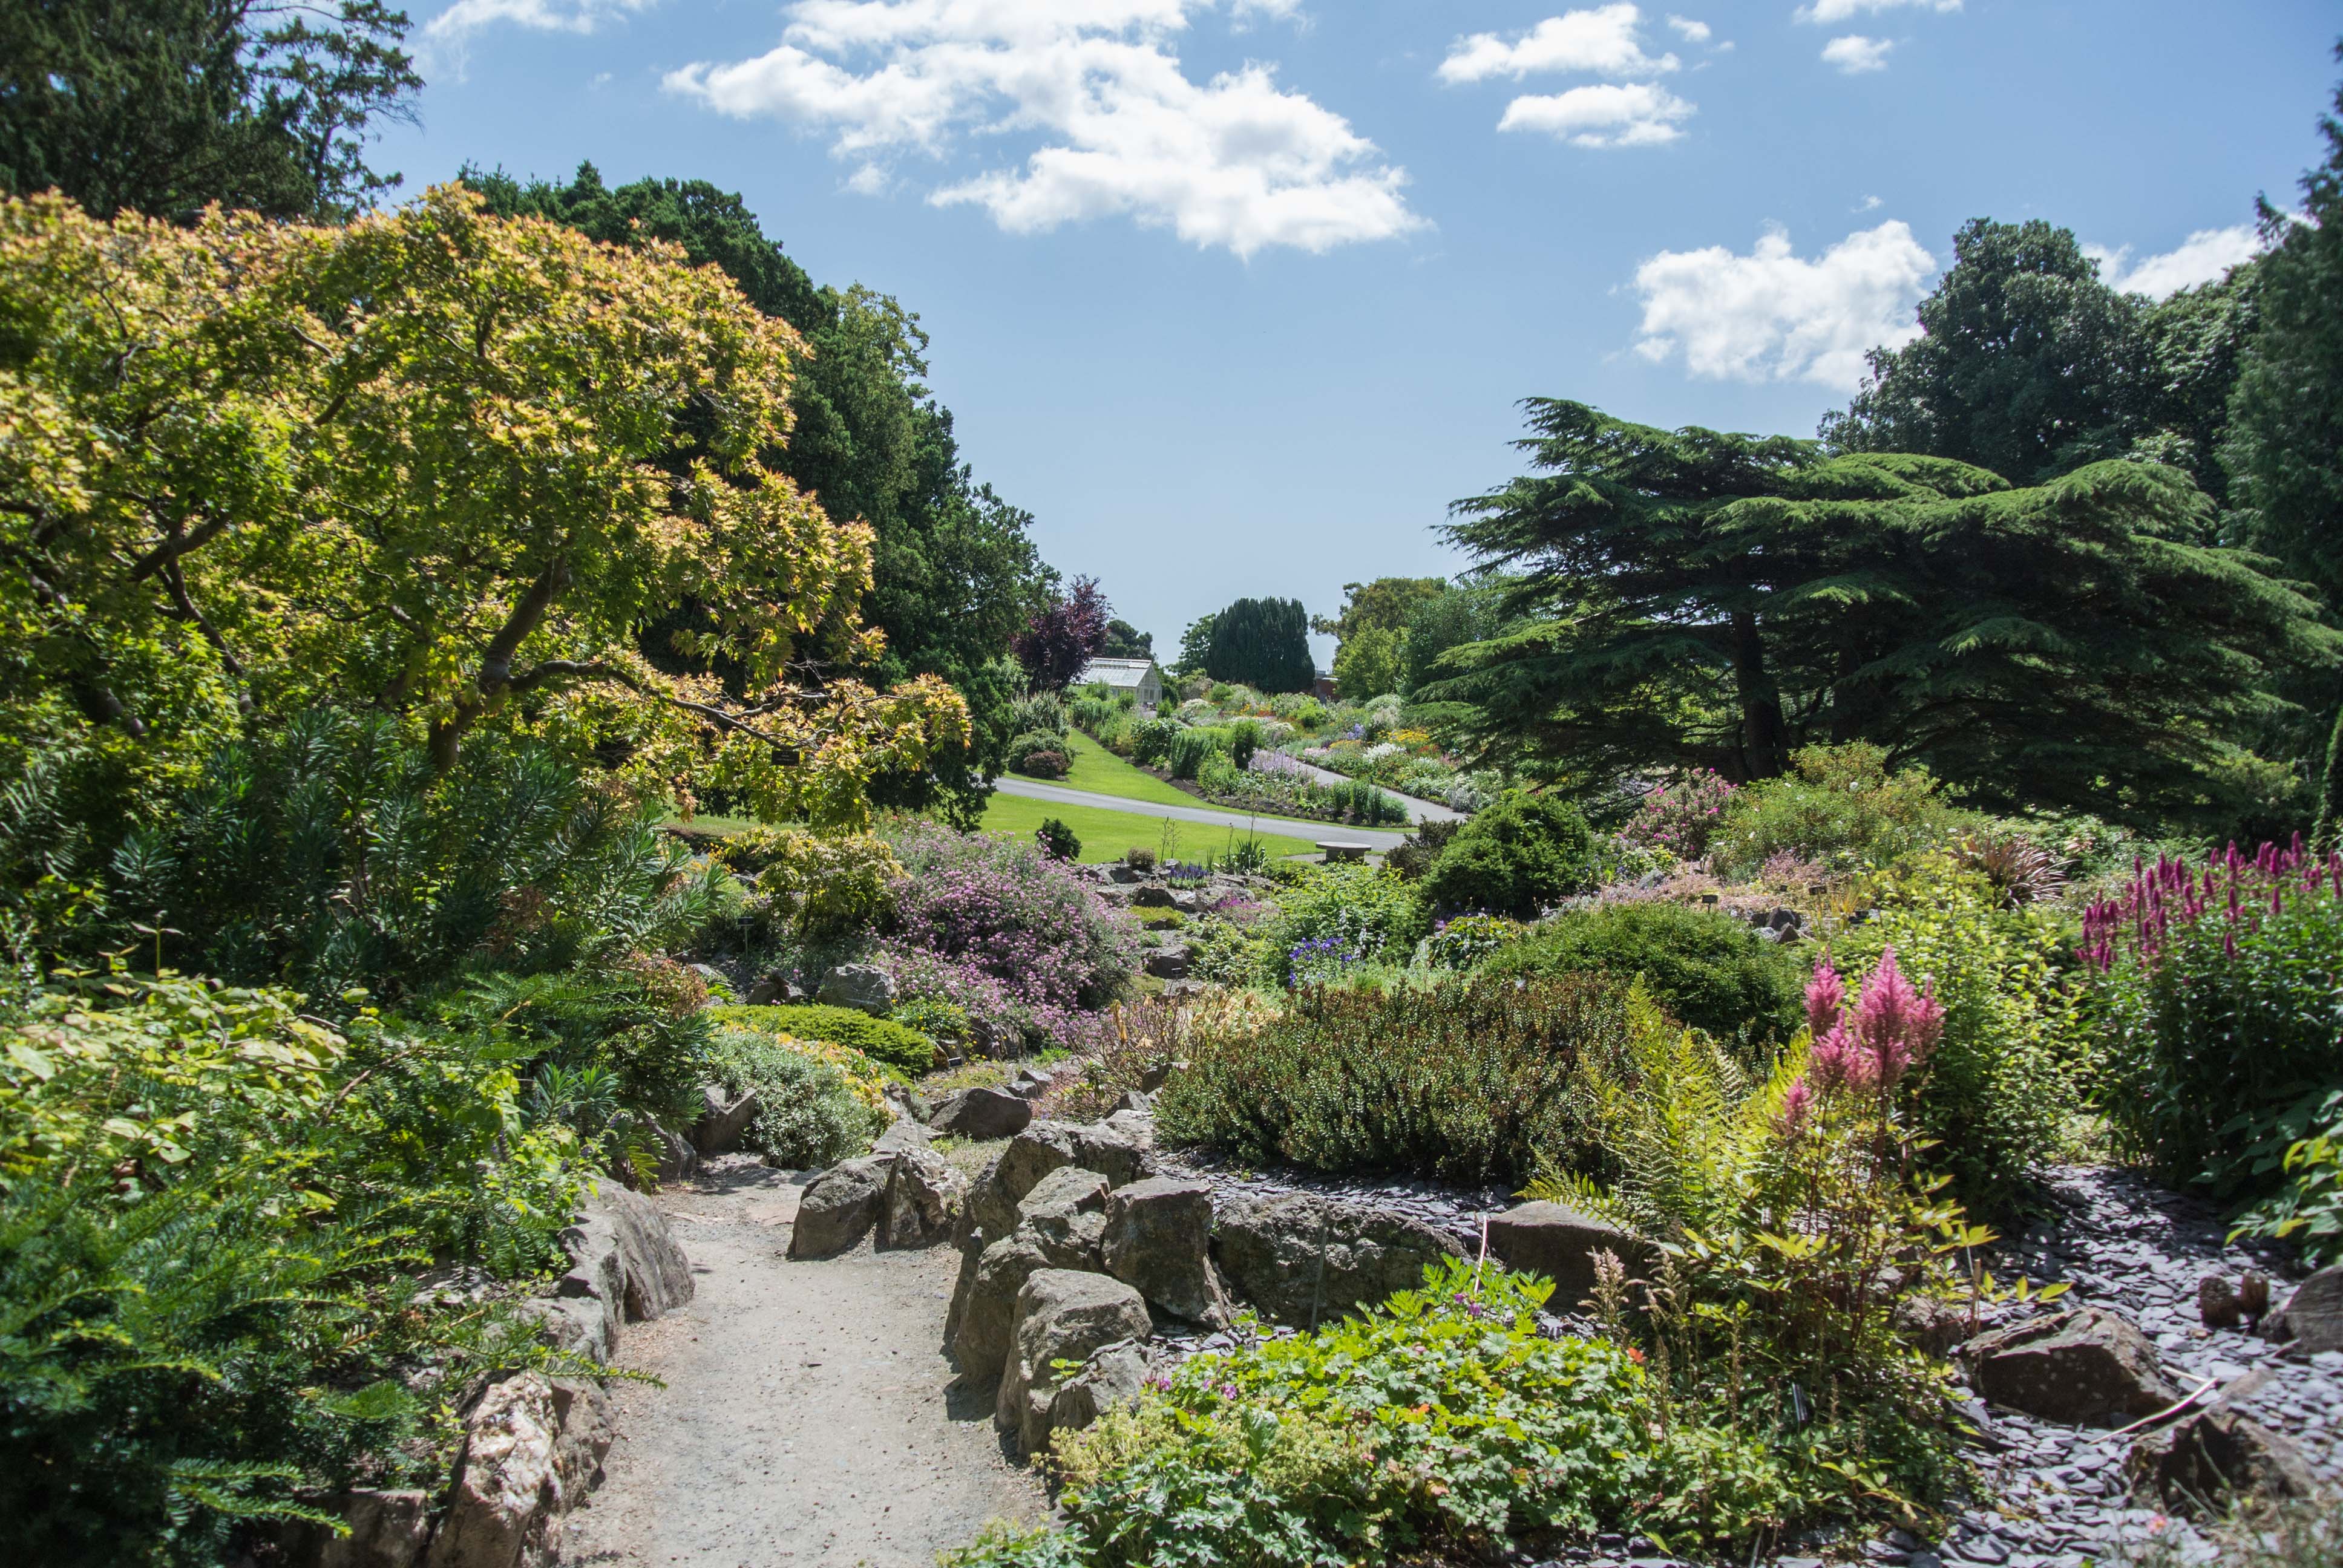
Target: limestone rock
985, 1311
982, 1113
723, 1120
864, 987
2207, 1454
1158, 1240
841, 1207
1065, 1216
1114, 1375
923, 1198
1558, 1241
1059, 1314
2085, 1367
2312, 1319
1296, 1258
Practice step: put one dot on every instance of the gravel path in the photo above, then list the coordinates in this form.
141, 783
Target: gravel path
1211, 816
807, 1416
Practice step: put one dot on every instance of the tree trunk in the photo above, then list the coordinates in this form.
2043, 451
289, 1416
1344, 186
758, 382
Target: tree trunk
1762, 739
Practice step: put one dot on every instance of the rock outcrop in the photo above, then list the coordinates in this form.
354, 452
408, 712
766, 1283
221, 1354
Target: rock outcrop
1065, 1216
984, 1303
866, 987
533, 1448
1059, 1315
1299, 1259
922, 1206
1114, 1375
982, 1113
1558, 1241
2090, 1367
1158, 1240
625, 1267
723, 1120
841, 1207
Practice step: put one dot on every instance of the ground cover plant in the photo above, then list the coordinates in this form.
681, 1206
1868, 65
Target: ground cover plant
888, 1042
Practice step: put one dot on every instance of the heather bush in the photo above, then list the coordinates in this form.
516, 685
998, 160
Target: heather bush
1839, 808
1468, 1080
1517, 857
885, 1041
1680, 817
1706, 968
2212, 994
811, 1113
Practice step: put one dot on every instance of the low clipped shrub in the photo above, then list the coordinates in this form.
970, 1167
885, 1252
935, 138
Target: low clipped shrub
1706, 968
1026, 749
1517, 857
1839, 808
811, 1113
1433, 1427
1057, 841
885, 1041
1045, 765
1469, 1080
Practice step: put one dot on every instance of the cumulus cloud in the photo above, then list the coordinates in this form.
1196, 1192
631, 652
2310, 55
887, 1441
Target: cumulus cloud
1829, 12
1774, 316
1624, 115
1604, 41
1690, 30
1237, 161
1855, 53
469, 16
2202, 257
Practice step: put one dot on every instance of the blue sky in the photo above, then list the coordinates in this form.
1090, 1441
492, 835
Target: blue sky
1235, 296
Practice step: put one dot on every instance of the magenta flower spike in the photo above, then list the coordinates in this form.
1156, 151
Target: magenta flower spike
1825, 993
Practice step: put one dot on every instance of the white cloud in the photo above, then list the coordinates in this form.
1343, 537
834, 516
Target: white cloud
1772, 316
1690, 30
467, 16
1829, 12
1626, 115
1871, 204
1604, 41
1236, 161
1855, 53
2202, 257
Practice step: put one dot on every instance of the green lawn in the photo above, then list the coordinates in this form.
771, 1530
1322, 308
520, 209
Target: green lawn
1102, 772
1105, 834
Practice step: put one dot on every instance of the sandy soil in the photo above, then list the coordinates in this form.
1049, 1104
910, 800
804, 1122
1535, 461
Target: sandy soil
807, 1416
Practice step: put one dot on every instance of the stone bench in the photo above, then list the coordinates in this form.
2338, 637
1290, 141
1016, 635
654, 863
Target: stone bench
1334, 851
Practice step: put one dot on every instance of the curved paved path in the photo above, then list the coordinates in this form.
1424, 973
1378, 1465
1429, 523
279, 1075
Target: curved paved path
1211, 816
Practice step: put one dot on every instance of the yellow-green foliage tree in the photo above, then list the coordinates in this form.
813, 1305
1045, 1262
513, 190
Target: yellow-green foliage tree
435, 463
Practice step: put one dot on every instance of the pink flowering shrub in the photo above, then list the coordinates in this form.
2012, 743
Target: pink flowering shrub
1868, 1048
1678, 817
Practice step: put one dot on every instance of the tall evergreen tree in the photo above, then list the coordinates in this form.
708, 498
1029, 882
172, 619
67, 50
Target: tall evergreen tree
1263, 643
1694, 597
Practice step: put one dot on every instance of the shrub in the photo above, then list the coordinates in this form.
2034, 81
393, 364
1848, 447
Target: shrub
942, 1022
1057, 841
2213, 994
1467, 1081
1039, 713
1151, 740
1999, 1090
810, 1113
2308, 1208
1468, 940
1045, 765
1188, 751
823, 886
1348, 915
889, 1041
1839, 807
1707, 969
1680, 817
1024, 749
1244, 740
1420, 848
1514, 858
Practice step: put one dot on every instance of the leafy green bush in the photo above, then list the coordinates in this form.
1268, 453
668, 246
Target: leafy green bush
1364, 914
1469, 940
1186, 754
1469, 1080
807, 1114
1037, 755
1151, 740
1707, 969
2213, 997
1057, 841
885, 1041
1514, 858
1436, 1427
2307, 1209
1839, 808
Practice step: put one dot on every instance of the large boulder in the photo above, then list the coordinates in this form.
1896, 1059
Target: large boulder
903, 1134
1157, 1238
2207, 1456
1299, 1259
1122, 1147
864, 987
841, 1207
2087, 1367
723, 1119
1061, 1315
1065, 1215
982, 1113
533, 1448
1117, 1149
1558, 1241
625, 1267
1114, 1375
985, 1306
2312, 1319
923, 1197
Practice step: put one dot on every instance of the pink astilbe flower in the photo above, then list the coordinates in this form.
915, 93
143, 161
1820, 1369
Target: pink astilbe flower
1796, 1104
1839, 1060
1825, 993
1896, 1026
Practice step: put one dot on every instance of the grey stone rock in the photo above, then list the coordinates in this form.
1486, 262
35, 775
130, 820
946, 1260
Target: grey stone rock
903, 1136
2087, 1367
2209, 1455
922, 1203
1059, 1314
1168, 962
841, 1207
2311, 1321
1158, 1240
909, 1102
1064, 1214
1297, 1257
387, 1530
1558, 1241
623, 1260
1041, 1148
723, 1120
519, 1475
1933, 1324
1114, 1375
985, 1308
1153, 896
864, 987
982, 1113
677, 1161
1121, 1148
1137, 1099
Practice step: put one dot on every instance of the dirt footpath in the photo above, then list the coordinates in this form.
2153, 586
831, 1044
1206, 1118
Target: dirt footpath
805, 1419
